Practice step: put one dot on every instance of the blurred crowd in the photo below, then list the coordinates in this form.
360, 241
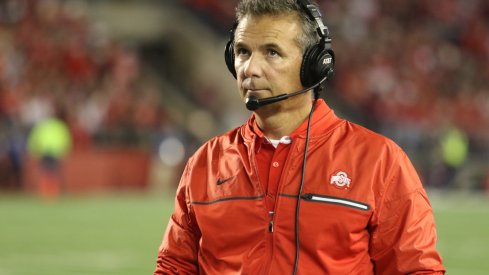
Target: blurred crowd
56, 63
416, 71
420, 70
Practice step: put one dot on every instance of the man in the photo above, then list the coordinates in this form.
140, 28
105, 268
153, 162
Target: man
279, 196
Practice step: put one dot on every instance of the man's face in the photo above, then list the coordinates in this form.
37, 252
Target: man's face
267, 56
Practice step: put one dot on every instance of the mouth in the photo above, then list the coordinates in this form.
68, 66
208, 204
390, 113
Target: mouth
253, 88
255, 92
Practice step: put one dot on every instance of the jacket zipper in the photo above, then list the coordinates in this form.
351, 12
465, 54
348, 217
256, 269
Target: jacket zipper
270, 213
270, 240
335, 200
270, 224
271, 229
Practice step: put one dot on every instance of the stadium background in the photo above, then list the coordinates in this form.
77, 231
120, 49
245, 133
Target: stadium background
139, 85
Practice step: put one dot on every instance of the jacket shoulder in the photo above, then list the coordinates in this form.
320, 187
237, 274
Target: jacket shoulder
363, 136
218, 143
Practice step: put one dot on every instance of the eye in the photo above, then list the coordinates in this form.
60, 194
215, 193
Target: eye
241, 51
273, 53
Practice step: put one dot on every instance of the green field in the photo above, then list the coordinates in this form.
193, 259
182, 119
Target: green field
120, 234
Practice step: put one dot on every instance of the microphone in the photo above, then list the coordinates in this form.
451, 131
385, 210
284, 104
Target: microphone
253, 103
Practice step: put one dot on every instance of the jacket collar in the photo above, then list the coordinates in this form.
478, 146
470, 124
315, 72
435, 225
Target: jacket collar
323, 121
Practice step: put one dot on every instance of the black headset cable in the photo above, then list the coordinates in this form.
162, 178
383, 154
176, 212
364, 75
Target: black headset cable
303, 174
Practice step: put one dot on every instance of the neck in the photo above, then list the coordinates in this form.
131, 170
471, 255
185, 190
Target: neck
276, 122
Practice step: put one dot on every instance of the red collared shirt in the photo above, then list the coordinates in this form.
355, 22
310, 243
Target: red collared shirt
271, 160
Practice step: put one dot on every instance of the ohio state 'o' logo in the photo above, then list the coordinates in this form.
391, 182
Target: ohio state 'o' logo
341, 180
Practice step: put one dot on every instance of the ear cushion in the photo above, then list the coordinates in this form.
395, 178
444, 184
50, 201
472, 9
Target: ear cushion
229, 57
317, 63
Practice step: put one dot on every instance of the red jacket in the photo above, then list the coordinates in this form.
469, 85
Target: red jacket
364, 209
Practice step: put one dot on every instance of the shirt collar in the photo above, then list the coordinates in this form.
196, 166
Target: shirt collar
323, 120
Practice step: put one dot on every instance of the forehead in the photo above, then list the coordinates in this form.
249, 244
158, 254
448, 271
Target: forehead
283, 29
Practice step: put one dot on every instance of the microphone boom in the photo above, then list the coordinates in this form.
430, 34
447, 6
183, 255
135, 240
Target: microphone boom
253, 103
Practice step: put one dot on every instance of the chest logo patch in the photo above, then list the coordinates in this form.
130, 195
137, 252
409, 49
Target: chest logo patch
341, 180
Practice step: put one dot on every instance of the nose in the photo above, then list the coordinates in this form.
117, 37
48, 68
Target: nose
252, 67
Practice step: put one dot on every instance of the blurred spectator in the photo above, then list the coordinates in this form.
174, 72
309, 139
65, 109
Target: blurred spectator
452, 153
48, 143
12, 143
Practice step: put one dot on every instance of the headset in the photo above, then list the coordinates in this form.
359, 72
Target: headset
317, 66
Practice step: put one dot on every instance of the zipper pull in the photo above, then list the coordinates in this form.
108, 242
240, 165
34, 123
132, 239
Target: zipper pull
270, 225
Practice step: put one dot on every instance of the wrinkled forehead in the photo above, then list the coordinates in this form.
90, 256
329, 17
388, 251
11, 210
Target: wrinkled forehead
271, 28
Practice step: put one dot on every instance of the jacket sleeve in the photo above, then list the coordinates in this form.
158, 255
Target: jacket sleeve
179, 249
403, 233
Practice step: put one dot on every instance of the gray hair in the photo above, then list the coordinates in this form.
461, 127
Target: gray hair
309, 35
